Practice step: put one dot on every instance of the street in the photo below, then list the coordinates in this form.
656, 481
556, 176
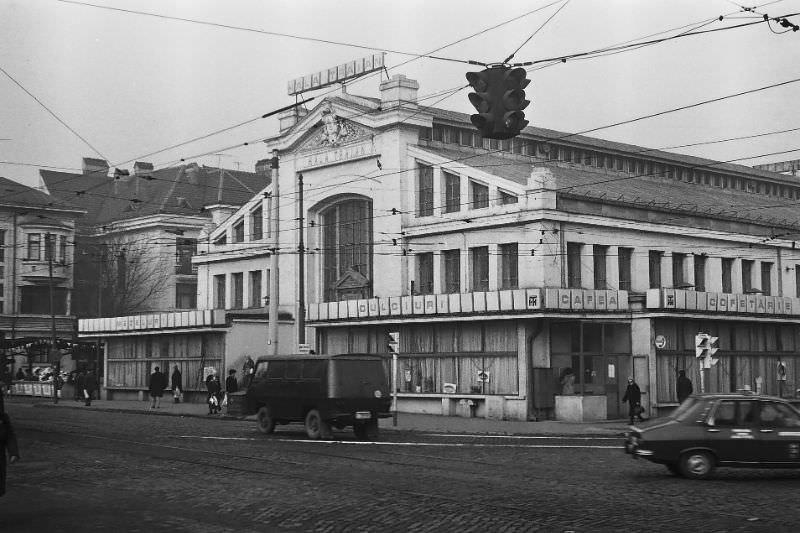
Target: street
86, 470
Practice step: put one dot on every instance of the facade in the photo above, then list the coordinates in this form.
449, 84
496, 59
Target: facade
37, 236
142, 229
526, 278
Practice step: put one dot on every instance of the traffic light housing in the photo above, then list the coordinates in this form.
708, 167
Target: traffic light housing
704, 349
499, 98
393, 342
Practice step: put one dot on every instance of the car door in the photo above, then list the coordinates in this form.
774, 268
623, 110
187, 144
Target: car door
732, 431
778, 434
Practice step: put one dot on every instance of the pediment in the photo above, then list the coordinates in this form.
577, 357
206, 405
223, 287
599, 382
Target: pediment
332, 131
352, 279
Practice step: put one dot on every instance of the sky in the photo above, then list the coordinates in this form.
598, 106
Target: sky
122, 80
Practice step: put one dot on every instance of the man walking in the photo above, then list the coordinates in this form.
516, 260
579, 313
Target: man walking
633, 395
158, 382
89, 386
177, 385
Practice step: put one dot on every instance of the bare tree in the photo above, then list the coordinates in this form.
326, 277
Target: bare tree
134, 277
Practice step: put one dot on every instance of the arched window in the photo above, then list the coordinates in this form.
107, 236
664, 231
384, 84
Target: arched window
347, 249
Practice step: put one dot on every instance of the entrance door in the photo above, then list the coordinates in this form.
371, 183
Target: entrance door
612, 386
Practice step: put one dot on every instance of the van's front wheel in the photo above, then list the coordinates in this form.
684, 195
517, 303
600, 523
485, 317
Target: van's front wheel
316, 427
266, 424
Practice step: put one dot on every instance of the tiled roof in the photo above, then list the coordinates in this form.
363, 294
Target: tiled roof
15, 194
177, 190
653, 192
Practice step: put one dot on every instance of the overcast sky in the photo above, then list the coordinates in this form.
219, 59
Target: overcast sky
133, 80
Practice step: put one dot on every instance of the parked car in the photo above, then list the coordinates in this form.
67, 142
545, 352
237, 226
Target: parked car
710, 430
321, 391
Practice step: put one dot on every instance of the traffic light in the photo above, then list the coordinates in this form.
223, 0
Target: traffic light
704, 349
393, 342
499, 98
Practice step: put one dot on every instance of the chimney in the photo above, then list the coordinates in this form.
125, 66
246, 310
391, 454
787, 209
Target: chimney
263, 168
193, 173
98, 167
289, 118
142, 169
399, 91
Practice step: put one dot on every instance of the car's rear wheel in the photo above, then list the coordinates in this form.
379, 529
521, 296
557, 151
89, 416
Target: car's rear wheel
266, 424
366, 430
696, 465
316, 427
674, 468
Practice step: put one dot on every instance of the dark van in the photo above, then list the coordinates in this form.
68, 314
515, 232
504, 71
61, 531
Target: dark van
322, 391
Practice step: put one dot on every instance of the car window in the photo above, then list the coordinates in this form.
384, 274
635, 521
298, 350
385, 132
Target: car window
774, 414
276, 369
692, 410
314, 369
724, 414
261, 370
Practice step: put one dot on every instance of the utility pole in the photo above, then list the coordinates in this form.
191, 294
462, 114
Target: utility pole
273, 276
301, 307
49, 248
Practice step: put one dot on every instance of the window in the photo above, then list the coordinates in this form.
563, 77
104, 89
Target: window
747, 276
574, 265
185, 295
424, 190
424, 273
347, 245
34, 246
727, 275
452, 271
185, 249
599, 257
509, 266
452, 193
238, 231
480, 195
255, 288
797, 281
766, 278
62, 249
237, 280
222, 239
49, 246
507, 198
2, 245
678, 263
219, 291
624, 256
700, 273
257, 224
654, 260
480, 268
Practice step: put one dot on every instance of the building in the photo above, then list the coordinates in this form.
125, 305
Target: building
37, 233
141, 230
505, 266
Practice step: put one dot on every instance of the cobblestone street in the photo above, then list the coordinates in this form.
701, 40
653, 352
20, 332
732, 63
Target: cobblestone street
102, 471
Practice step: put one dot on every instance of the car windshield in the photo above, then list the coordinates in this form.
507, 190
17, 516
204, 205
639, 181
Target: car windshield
692, 409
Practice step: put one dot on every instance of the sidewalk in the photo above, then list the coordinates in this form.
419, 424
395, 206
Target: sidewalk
405, 421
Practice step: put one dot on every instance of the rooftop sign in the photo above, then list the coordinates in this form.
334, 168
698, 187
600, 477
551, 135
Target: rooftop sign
338, 74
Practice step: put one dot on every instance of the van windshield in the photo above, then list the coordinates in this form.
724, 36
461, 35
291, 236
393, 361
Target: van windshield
359, 378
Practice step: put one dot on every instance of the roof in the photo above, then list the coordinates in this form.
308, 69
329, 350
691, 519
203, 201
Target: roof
653, 192
15, 194
183, 190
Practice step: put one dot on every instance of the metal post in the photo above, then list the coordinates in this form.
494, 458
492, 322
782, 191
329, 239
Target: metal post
53, 350
394, 388
274, 277
301, 296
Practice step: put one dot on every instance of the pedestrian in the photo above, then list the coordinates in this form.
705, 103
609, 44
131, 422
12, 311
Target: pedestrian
89, 386
80, 385
158, 382
568, 382
8, 442
683, 386
177, 384
20, 374
213, 391
633, 395
220, 392
231, 385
